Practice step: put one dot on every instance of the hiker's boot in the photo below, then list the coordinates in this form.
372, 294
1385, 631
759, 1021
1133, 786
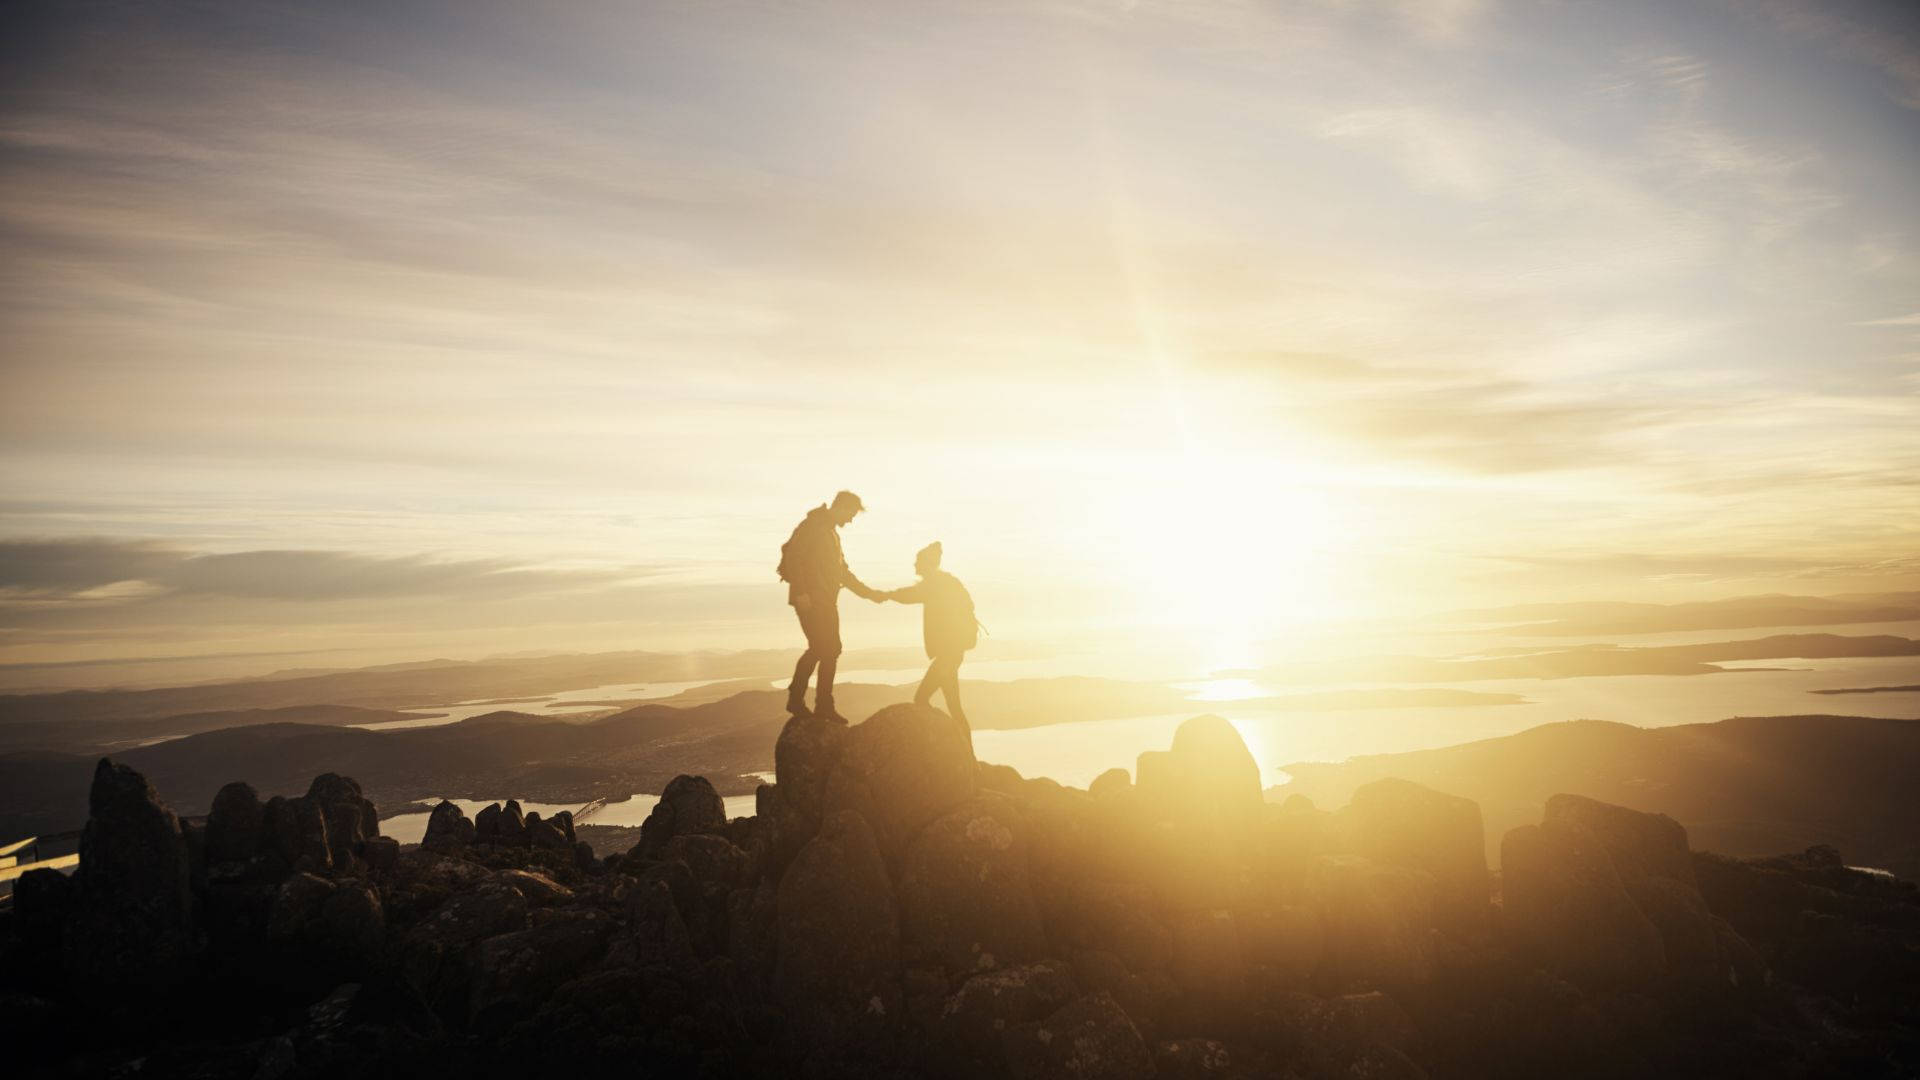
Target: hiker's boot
797, 702
823, 709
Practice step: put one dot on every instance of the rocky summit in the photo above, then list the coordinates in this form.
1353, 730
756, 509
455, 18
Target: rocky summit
896, 908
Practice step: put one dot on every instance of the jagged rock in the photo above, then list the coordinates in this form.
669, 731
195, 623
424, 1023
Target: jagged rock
236, 824
965, 901
564, 822
837, 976
583, 857
513, 972
660, 934
447, 828
689, 805
487, 824
43, 901
803, 757
973, 1024
1089, 1039
1114, 783
297, 834
1378, 923
133, 926
1199, 807
539, 889
510, 828
710, 859
753, 930
350, 817
902, 768
432, 951
547, 835
1208, 778
1640, 845
1401, 823
1688, 934
1564, 904
382, 853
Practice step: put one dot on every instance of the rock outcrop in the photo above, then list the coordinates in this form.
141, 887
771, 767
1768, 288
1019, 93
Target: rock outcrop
896, 908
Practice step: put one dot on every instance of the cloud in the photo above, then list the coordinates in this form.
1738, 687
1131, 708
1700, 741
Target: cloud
99, 569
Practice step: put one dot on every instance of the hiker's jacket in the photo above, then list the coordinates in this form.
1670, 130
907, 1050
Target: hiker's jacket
947, 622
812, 563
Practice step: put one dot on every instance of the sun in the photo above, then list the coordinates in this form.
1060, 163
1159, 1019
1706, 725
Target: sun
1237, 553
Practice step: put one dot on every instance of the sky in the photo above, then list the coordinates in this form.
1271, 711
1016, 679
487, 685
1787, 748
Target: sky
418, 329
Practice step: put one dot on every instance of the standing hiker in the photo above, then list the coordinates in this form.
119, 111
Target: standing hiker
815, 571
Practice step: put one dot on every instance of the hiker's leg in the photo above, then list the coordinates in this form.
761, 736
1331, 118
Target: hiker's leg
827, 644
802, 669
928, 684
950, 688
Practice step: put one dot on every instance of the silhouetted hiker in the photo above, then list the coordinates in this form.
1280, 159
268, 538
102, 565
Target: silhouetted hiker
815, 571
948, 626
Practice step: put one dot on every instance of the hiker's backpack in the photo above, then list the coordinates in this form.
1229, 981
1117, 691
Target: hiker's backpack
792, 554
959, 628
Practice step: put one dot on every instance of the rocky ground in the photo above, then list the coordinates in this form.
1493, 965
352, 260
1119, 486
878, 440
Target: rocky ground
898, 909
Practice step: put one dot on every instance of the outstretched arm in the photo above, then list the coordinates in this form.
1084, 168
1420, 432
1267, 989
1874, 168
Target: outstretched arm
911, 594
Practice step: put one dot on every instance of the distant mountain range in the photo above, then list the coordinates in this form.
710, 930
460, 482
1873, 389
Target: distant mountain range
1746, 786
1736, 613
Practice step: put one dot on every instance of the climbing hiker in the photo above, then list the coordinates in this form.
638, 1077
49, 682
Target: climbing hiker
948, 625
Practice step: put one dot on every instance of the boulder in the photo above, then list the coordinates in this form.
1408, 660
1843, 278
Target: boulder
837, 975
1401, 823
510, 828
382, 853
487, 824
236, 824
546, 834
803, 757
965, 901
350, 817
297, 834
1640, 845
133, 928
1088, 1039
1114, 783
902, 768
1565, 906
1377, 923
513, 973
659, 932
976, 1021
1208, 778
447, 828
433, 951
710, 859
689, 805
539, 889
43, 901
1688, 931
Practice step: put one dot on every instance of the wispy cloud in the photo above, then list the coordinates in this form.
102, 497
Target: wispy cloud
84, 569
